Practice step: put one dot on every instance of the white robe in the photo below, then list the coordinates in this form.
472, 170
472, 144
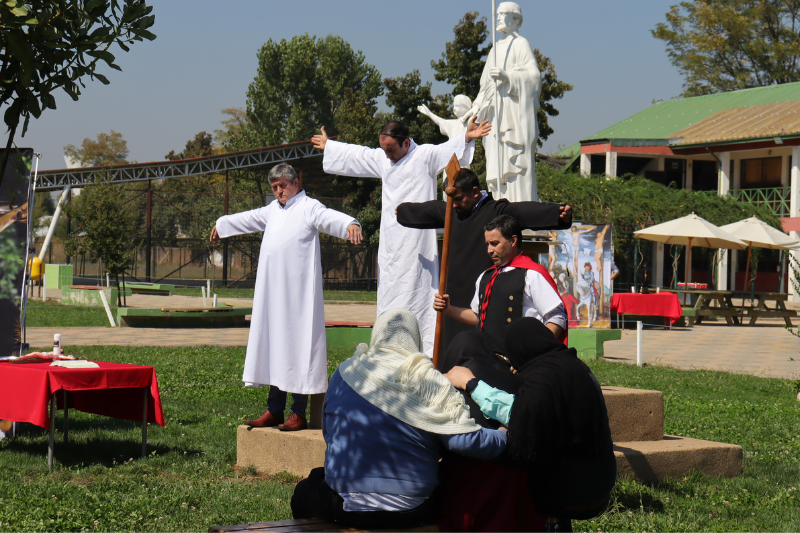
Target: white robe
286, 346
513, 120
408, 259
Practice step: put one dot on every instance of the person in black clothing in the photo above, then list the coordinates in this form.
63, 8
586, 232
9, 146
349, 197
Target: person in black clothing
473, 209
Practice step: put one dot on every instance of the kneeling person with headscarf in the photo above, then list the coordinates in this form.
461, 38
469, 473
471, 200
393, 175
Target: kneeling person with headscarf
387, 418
557, 421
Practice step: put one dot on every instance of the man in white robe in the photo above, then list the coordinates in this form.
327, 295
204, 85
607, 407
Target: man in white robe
408, 259
509, 98
286, 347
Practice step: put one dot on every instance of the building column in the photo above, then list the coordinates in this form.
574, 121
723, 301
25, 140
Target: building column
723, 186
785, 170
724, 177
586, 165
722, 271
611, 164
689, 174
794, 211
657, 260
736, 178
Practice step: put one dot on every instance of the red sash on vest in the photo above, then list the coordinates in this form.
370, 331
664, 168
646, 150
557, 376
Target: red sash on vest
521, 261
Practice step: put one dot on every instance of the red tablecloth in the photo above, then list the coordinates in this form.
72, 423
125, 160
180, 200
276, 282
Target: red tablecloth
114, 389
664, 304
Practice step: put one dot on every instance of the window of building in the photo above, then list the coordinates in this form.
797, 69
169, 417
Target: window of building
764, 172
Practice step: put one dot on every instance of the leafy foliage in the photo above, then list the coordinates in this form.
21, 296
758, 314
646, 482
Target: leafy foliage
462, 61
47, 45
552, 88
404, 95
201, 145
10, 264
106, 226
109, 149
633, 202
300, 85
726, 45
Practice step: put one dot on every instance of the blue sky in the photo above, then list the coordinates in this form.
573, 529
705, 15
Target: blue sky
205, 57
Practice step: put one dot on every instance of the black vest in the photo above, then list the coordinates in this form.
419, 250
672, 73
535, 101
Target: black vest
505, 304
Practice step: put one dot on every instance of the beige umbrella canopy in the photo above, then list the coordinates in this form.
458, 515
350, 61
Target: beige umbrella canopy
691, 230
757, 233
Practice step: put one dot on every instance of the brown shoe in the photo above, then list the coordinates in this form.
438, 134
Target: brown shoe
295, 423
266, 420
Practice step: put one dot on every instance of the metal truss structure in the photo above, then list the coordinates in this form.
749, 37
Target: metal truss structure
51, 180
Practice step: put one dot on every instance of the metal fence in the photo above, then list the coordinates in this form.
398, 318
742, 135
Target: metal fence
172, 235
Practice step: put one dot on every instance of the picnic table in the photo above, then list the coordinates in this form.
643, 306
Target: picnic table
758, 306
709, 304
654, 304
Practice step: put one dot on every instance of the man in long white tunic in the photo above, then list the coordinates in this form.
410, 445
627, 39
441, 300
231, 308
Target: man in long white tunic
509, 98
286, 347
408, 260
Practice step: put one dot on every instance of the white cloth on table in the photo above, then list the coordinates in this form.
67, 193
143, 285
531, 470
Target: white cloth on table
539, 300
408, 259
286, 346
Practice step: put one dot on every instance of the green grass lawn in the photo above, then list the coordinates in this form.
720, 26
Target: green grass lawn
189, 483
54, 314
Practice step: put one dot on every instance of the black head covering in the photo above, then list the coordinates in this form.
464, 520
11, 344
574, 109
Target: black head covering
559, 420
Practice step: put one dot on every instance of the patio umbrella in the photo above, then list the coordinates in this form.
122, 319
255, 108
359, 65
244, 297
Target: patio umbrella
691, 230
757, 233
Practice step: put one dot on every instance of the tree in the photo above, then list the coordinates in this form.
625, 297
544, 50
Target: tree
552, 88
47, 45
463, 61
300, 85
106, 228
108, 150
727, 45
201, 145
405, 94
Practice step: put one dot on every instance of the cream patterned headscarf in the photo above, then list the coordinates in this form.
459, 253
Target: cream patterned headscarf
395, 377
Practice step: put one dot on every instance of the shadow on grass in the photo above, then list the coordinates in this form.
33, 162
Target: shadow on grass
94, 451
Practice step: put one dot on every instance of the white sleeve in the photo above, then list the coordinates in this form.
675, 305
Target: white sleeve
475, 303
329, 221
240, 223
540, 294
351, 160
441, 153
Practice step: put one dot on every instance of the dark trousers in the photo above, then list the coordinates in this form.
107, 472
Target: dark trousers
276, 402
314, 498
470, 349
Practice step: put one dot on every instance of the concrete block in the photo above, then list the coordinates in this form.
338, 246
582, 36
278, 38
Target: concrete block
634, 414
589, 342
58, 276
271, 450
90, 297
650, 461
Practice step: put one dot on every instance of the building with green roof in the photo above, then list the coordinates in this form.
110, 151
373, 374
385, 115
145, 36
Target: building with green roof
742, 143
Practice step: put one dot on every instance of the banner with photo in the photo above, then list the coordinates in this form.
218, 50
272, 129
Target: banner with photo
13, 238
579, 259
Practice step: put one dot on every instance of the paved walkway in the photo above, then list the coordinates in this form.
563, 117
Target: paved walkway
764, 350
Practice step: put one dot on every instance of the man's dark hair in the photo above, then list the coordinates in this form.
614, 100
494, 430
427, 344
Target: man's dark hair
508, 227
466, 180
396, 130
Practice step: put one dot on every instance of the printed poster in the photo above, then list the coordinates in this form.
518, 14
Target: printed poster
579, 259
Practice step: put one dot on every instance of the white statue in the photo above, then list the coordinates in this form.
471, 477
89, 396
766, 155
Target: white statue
451, 127
517, 83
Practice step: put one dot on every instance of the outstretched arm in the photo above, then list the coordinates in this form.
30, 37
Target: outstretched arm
422, 215
428, 113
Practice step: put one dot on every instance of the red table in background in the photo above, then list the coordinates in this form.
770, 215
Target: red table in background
129, 392
664, 304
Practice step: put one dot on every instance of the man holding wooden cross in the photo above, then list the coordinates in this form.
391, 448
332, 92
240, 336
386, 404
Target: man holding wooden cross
474, 208
408, 262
